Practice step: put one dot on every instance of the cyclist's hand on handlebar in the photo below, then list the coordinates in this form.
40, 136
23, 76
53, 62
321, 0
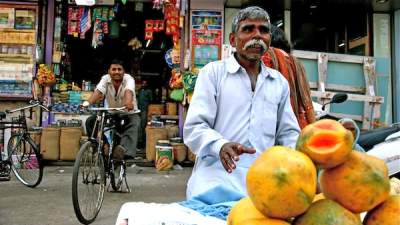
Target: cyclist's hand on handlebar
33, 101
85, 104
128, 106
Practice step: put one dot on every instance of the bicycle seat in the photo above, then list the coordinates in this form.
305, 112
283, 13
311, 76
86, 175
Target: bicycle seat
369, 138
2, 115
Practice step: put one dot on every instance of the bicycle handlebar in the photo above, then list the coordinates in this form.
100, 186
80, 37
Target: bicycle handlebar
120, 109
32, 103
107, 109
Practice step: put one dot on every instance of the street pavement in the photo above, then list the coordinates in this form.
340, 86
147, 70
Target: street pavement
50, 203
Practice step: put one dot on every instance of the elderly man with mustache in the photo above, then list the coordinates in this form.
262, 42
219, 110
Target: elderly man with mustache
239, 109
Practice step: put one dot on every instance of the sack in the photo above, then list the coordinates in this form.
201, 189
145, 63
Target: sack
177, 94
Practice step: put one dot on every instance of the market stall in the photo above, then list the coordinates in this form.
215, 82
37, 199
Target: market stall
146, 36
18, 34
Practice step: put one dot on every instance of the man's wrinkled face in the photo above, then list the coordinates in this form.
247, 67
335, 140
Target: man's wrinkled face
116, 72
252, 38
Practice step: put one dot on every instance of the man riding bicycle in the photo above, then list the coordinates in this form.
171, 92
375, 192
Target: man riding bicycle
118, 90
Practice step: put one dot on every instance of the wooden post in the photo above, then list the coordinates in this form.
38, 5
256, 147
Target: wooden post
370, 80
322, 74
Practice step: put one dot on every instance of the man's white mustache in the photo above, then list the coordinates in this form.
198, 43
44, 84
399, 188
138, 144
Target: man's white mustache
255, 42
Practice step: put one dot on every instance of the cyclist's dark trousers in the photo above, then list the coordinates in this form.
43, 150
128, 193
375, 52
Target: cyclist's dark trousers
129, 132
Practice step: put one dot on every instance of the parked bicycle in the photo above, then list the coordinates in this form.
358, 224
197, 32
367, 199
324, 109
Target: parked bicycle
23, 154
94, 164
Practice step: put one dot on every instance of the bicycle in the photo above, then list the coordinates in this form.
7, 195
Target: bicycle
23, 155
93, 166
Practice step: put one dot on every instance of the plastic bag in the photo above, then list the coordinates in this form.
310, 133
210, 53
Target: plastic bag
176, 80
177, 94
189, 81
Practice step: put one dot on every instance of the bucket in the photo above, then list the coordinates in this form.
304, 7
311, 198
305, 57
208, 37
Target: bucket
153, 134
180, 149
164, 155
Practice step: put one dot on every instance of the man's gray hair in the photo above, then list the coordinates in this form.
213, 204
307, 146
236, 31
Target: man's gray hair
252, 12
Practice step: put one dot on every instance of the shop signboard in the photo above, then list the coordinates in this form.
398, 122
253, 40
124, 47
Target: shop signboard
92, 2
206, 36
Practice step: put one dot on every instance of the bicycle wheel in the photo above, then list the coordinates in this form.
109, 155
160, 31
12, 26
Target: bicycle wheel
25, 160
116, 174
88, 183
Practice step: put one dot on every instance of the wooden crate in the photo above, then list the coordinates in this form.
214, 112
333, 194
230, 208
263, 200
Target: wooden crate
330, 73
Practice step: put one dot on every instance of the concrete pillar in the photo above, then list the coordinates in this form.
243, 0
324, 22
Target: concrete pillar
382, 53
49, 32
396, 66
288, 25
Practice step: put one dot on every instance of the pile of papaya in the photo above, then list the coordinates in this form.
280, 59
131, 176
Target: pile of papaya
282, 184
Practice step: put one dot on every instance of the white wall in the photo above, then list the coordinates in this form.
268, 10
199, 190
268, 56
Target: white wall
207, 4
229, 14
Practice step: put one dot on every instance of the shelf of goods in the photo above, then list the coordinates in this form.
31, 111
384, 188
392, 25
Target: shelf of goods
17, 63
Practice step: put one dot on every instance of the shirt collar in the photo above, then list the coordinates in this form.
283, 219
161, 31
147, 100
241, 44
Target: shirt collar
233, 67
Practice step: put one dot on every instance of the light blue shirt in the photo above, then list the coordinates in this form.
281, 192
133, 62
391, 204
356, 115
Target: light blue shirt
225, 109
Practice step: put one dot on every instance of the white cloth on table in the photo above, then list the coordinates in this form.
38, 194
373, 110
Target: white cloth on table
141, 213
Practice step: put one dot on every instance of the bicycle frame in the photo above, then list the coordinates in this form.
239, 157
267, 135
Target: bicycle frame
97, 138
30, 151
20, 121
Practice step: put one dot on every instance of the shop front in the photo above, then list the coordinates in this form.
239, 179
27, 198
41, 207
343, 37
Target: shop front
145, 35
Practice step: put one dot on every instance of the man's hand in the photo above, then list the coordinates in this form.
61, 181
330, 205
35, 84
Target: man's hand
85, 104
230, 153
128, 106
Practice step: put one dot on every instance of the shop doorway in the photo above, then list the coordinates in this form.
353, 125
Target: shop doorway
88, 62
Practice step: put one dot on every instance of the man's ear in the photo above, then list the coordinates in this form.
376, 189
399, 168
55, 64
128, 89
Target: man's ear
232, 39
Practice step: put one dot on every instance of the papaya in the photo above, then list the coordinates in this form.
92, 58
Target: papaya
359, 184
245, 213
282, 182
326, 142
327, 212
319, 196
387, 213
